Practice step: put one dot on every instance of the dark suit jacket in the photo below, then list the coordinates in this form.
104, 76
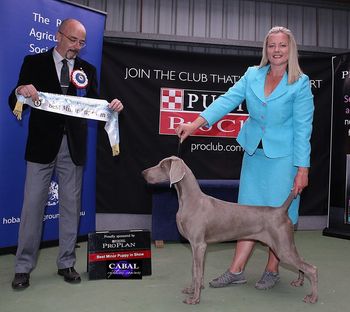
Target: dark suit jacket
46, 129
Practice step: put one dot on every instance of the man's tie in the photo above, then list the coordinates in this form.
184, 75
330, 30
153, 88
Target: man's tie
64, 77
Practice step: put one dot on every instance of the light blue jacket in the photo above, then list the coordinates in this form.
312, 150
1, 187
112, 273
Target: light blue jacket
283, 120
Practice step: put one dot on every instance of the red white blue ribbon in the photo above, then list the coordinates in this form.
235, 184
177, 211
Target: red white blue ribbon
80, 81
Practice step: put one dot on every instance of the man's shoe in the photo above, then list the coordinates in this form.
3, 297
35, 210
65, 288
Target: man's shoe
70, 275
20, 281
268, 280
228, 279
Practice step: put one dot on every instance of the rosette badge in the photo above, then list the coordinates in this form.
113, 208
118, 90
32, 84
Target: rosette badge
80, 81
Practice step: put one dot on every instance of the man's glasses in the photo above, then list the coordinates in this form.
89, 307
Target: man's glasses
81, 43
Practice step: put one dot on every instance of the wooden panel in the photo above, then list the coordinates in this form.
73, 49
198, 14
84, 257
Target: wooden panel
216, 19
115, 15
263, 20
325, 28
319, 24
279, 15
341, 29
310, 26
200, 18
183, 26
98, 4
166, 14
295, 17
149, 17
231, 27
247, 20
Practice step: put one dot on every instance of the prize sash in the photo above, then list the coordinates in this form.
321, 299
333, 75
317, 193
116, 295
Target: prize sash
75, 106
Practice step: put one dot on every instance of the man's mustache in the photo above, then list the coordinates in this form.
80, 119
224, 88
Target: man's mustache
74, 51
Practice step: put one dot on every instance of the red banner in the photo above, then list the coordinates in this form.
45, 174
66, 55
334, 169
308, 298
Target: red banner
119, 255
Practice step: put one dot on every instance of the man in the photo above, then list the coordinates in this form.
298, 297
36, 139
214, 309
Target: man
55, 143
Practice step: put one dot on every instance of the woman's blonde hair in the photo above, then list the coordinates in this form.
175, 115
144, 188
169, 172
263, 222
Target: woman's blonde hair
294, 70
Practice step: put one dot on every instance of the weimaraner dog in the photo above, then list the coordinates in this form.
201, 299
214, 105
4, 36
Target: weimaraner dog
203, 219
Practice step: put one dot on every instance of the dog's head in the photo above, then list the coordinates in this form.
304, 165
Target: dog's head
169, 169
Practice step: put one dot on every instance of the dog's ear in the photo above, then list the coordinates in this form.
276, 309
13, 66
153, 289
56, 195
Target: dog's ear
177, 171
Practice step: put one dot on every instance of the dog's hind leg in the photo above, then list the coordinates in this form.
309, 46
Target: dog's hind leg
194, 291
311, 272
292, 258
299, 281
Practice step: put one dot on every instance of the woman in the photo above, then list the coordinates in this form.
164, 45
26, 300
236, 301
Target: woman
275, 138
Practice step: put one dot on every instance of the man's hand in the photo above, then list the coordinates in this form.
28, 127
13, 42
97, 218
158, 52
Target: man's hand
116, 105
28, 91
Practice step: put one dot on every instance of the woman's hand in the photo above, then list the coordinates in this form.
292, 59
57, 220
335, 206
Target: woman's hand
186, 129
301, 180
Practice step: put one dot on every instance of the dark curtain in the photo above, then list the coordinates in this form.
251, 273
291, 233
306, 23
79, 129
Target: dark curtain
120, 186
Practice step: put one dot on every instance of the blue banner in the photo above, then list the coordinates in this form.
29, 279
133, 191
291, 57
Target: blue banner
29, 27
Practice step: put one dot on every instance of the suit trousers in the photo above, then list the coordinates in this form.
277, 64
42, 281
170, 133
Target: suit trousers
37, 183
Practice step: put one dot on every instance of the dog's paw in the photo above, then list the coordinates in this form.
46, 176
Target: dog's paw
188, 290
191, 300
310, 298
297, 283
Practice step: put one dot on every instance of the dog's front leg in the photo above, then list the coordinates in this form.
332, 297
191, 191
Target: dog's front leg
190, 289
198, 253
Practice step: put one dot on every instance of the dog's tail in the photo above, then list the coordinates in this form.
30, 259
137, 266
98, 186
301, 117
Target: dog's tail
288, 201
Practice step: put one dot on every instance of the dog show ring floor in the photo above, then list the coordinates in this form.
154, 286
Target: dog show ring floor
171, 271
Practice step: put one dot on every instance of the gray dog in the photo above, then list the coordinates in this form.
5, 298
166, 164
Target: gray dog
203, 219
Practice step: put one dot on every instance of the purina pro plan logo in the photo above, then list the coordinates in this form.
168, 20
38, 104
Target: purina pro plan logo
183, 105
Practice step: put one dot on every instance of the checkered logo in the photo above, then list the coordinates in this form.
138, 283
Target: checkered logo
171, 99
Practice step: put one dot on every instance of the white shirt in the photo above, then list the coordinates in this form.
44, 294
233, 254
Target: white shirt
58, 63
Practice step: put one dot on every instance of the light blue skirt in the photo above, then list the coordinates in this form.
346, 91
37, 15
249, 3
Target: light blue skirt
267, 182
